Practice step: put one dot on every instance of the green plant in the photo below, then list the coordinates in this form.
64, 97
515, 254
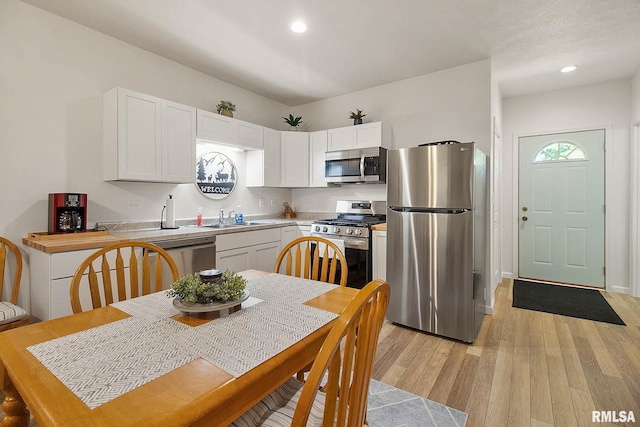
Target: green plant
191, 289
293, 121
357, 115
225, 105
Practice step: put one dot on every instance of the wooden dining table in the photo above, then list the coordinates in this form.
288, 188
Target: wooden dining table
197, 393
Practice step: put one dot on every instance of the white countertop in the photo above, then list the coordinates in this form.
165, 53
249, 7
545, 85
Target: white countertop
156, 234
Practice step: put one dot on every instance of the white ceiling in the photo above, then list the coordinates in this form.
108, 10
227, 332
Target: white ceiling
358, 44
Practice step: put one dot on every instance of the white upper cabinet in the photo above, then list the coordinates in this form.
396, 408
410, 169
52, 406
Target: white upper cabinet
294, 159
178, 142
263, 166
215, 127
142, 136
229, 131
317, 149
249, 135
359, 136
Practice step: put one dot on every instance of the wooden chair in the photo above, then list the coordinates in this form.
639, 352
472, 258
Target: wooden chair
138, 283
11, 315
346, 357
321, 265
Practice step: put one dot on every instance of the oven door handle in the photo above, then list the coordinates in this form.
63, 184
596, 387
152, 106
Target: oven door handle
362, 167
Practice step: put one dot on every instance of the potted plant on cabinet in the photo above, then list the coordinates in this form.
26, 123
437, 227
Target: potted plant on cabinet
357, 116
226, 108
292, 121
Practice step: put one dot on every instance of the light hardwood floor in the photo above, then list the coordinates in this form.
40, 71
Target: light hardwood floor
526, 368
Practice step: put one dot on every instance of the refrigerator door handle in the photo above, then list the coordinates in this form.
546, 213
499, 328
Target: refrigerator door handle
429, 210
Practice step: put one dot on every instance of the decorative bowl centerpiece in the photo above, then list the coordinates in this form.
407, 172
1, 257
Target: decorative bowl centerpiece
208, 291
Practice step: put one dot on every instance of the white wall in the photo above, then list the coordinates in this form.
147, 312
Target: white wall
605, 104
635, 98
53, 73
494, 191
450, 104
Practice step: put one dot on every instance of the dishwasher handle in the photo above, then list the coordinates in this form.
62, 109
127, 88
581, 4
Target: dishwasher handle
191, 242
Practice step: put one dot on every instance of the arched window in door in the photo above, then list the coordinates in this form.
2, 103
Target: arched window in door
560, 151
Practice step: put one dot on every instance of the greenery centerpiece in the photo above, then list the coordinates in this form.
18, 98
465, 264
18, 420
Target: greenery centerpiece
226, 108
357, 116
292, 121
192, 290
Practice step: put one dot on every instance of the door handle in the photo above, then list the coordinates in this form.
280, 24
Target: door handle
524, 218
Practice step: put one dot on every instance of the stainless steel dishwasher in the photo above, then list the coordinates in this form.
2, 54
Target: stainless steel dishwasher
191, 254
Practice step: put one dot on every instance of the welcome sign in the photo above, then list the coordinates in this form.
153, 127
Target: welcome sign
216, 175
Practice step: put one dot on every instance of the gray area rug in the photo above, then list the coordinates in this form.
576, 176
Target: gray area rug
392, 407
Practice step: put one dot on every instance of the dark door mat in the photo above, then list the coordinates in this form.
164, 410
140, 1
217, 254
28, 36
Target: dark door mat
564, 300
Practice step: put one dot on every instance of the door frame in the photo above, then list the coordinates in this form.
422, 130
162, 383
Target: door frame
608, 163
634, 223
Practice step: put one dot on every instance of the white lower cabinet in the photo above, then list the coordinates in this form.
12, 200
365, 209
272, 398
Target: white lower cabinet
289, 234
51, 276
379, 254
245, 250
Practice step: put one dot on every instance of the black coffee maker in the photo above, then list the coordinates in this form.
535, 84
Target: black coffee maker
67, 213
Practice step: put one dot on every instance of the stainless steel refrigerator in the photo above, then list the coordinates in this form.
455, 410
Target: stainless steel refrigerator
436, 238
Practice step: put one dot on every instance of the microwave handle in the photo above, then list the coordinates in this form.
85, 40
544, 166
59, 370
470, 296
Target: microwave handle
362, 167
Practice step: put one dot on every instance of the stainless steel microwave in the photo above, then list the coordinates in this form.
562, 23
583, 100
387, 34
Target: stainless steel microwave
366, 165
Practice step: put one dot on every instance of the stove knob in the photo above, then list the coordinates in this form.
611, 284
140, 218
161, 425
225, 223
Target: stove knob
358, 232
336, 230
317, 228
349, 230
325, 229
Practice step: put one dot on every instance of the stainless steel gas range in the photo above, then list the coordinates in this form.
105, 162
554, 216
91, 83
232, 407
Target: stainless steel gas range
352, 228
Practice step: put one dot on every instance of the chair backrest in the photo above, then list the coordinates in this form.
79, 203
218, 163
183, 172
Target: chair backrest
313, 258
347, 354
96, 272
5, 247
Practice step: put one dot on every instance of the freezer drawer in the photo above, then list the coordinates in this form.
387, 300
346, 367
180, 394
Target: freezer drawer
430, 270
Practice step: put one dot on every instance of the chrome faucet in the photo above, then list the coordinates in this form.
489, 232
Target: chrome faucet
221, 216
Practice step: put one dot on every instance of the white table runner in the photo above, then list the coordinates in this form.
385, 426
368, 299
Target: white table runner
102, 363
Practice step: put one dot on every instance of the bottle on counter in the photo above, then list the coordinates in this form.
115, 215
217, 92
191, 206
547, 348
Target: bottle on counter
199, 218
239, 216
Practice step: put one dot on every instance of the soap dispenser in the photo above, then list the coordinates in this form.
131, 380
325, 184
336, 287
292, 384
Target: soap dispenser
239, 216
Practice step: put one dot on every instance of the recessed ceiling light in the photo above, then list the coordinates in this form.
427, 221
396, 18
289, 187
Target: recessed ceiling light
298, 27
568, 69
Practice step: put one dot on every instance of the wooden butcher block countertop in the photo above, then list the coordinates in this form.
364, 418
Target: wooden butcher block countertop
54, 243
379, 227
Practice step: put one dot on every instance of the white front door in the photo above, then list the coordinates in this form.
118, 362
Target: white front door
561, 208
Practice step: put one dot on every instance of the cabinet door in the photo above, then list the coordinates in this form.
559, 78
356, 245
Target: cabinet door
178, 142
295, 159
341, 139
265, 256
216, 127
249, 135
369, 135
379, 255
235, 259
289, 234
263, 166
271, 159
139, 156
317, 149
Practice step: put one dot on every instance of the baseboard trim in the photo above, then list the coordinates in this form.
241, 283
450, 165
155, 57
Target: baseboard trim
619, 290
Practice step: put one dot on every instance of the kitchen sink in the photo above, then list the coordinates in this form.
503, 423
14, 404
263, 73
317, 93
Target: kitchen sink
234, 225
